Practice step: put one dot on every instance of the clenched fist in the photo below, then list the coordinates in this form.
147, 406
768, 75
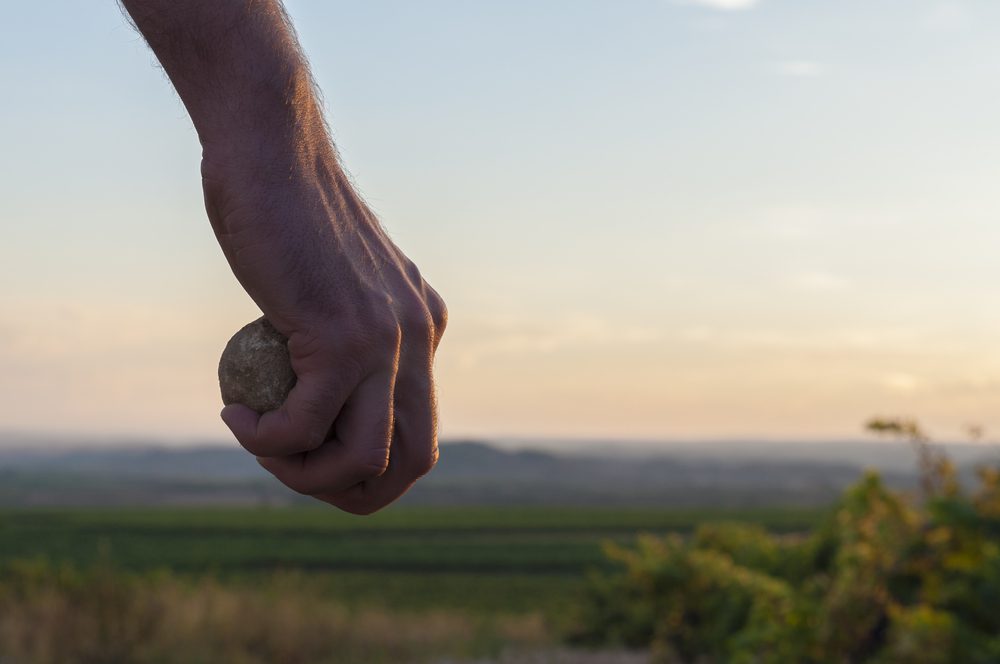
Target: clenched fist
360, 425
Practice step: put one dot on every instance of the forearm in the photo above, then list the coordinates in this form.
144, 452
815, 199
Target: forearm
239, 71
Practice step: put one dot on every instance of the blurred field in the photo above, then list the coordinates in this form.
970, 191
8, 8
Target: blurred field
249, 584
480, 559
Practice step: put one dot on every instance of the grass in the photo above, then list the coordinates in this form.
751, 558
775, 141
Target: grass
106, 616
480, 559
311, 584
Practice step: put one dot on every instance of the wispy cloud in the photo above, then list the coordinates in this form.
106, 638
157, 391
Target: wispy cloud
808, 222
901, 382
947, 17
986, 385
576, 332
818, 282
56, 331
847, 340
102, 365
799, 68
724, 5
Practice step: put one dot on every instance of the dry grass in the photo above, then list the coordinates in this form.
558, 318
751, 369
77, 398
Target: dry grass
105, 617
560, 656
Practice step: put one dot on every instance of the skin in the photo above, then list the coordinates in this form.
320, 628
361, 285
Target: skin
360, 426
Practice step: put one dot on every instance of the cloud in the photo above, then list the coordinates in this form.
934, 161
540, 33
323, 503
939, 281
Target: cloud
504, 338
57, 331
799, 68
947, 17
818, 282
902, 382
846, 340
809, 222
94, 364
974, 385
724, 5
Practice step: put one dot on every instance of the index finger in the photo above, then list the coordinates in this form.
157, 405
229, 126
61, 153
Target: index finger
358, 451
300, 424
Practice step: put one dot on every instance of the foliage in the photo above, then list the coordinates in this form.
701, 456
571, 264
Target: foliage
311, 585
937, 473
885, 578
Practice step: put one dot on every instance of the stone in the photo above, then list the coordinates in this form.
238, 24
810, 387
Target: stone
255, 369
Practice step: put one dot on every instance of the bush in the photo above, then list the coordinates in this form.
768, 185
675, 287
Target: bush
884, 579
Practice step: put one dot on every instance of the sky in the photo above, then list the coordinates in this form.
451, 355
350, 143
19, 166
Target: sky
651, 219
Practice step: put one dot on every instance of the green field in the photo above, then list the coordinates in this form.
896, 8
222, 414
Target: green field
474, 559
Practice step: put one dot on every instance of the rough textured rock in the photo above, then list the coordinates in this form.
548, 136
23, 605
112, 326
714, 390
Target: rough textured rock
255, 369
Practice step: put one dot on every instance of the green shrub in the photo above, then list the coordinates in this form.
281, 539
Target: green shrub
886, 578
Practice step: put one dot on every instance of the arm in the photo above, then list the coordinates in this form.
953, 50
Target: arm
360, 426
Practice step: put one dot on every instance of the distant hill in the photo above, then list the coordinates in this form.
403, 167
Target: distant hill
703, 474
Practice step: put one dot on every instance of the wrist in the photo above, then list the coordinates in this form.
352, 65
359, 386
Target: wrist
274, 120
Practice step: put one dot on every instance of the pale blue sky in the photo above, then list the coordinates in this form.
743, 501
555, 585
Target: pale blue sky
650, 219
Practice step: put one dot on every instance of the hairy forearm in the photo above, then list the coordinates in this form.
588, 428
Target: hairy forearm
239, 71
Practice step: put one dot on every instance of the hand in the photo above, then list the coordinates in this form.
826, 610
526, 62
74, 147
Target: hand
360, 426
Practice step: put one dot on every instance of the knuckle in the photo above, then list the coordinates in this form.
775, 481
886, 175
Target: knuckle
439, 312
311, 432
411, 271
373, 463
350, 368
361, 346
312, 406
354, 337
414, 319
313, 438
424, 463
423, 316
380, 330
317, 341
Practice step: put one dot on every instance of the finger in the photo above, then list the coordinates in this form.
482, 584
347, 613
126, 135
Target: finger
300, 424
438, 311
413, 453
359, 451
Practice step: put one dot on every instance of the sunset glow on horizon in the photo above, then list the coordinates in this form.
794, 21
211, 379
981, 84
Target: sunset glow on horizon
650, 220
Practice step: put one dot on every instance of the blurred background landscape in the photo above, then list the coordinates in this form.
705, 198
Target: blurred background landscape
507, 553
690, 249
49, 472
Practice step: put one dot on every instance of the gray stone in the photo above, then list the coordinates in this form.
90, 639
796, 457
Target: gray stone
255, 369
